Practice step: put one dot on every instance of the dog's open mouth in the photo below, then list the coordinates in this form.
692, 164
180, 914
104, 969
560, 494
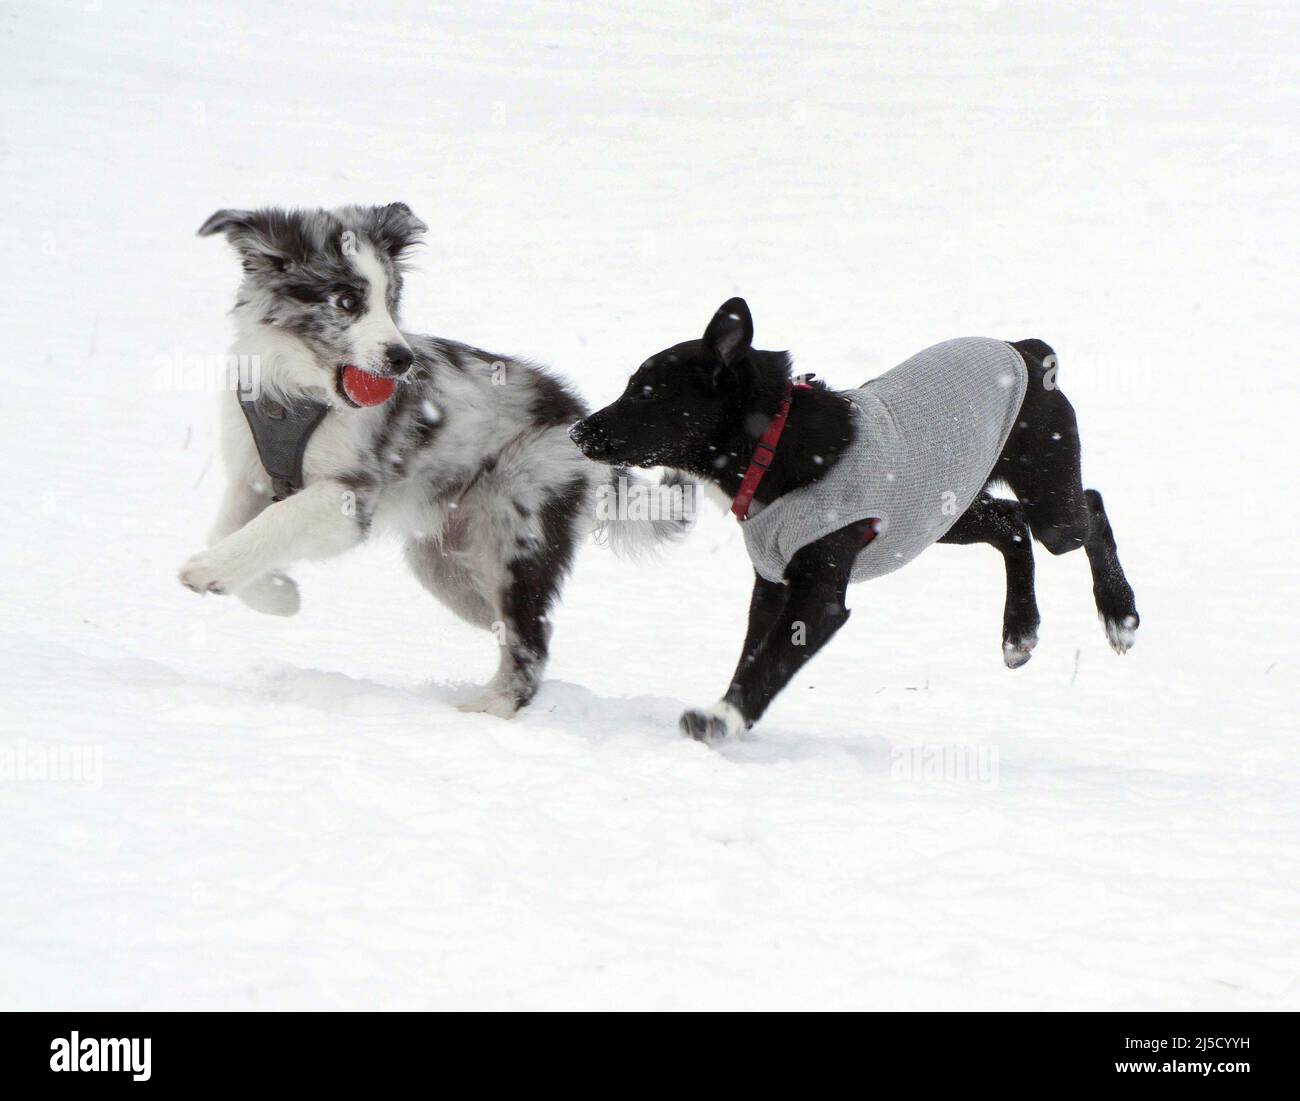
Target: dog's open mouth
362, 388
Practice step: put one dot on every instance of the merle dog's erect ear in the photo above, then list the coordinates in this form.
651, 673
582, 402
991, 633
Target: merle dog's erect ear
223, 221
395, 228
269, 239
731, 331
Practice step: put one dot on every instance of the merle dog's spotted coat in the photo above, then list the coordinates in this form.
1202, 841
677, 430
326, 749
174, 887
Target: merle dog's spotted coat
701, 406
468, 461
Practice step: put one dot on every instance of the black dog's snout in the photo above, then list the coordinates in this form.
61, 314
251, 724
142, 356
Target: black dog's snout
590, 440
399, 358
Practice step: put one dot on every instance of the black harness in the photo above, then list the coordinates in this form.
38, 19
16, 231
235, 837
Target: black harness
281, 433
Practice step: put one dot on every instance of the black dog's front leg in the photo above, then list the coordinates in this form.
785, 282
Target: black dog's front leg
783, 635
766, 604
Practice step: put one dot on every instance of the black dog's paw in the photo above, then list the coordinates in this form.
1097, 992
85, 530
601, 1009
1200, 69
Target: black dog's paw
1019, 649
1121, 631
698, 725
1118, 613
711, 724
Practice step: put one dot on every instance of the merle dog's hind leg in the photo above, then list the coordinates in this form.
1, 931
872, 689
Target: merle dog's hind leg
1002, 524
540, 556
1041, 463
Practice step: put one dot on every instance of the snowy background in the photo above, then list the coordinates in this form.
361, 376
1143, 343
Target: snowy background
201, 807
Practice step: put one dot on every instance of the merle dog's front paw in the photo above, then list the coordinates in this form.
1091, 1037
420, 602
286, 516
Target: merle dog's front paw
712, 724
216, 571
202, 574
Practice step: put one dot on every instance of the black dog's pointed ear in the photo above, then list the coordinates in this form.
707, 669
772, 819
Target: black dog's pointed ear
395, 228
731, 332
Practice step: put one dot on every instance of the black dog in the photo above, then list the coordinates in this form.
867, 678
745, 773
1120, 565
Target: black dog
717, 408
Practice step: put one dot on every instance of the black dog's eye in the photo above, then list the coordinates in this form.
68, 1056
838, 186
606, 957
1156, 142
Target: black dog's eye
641, 393
346, 301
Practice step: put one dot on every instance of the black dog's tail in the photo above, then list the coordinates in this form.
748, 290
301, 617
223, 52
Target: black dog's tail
635, 515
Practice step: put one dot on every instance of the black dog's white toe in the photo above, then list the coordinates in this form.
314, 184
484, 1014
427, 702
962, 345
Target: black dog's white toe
1015, 652
711, 724
1121, 633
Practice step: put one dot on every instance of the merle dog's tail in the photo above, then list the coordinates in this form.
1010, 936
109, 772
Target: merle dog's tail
635, 515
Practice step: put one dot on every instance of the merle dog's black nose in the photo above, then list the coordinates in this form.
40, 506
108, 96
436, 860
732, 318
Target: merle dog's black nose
399, 358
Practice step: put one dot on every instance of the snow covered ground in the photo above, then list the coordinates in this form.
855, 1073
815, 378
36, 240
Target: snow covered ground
200, 807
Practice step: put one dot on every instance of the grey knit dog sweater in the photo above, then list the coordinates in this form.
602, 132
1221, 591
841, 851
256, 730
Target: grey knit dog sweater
926, 437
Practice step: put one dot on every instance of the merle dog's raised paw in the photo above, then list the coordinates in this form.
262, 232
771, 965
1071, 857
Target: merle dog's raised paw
212, 572
197, 583
217, 571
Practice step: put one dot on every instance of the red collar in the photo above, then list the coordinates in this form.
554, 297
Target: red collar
764, 453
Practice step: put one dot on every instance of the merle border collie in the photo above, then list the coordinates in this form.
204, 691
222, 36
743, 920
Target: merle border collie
732, 416
355, 425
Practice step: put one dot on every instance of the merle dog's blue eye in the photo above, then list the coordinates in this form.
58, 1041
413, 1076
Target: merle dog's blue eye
346, 301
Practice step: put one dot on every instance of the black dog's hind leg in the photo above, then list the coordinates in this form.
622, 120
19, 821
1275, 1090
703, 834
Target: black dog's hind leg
1110, 588
784, 634
1041, 463
1002, 524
